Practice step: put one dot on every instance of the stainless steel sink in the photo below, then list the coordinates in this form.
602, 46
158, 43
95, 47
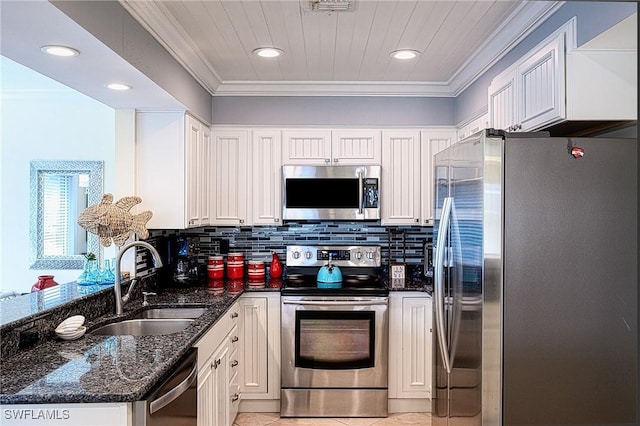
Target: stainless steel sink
162, 313
144, 327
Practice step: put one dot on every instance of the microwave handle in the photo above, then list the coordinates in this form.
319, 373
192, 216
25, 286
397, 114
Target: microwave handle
360, 192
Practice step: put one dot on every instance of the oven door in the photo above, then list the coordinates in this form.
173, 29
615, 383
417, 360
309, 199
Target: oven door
334, 342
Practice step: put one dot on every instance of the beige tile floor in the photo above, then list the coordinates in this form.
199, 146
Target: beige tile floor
273, 419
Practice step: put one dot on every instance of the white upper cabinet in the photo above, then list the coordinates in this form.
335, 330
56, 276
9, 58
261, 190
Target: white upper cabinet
556, 82
432, 142
400, 185
356, 147
325, 147
172, 169
198, 145
531, 93
266, 179
229, 177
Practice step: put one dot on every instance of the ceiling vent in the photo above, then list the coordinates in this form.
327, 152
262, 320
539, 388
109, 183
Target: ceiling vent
332, 5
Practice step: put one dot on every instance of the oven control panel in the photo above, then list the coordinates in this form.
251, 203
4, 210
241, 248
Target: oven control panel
358, 256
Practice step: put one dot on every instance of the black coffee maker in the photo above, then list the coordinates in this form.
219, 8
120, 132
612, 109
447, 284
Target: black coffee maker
180, 254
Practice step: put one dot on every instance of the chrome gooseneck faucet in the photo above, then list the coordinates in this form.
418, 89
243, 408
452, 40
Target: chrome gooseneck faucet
157, 262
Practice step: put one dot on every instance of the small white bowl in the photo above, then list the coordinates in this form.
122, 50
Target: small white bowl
79, 332
70, 324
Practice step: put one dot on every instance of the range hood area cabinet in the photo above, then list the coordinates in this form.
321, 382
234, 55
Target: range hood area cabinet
322, 147
556, 82
172, 169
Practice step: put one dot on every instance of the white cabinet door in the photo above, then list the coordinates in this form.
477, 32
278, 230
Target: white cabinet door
306, 147
204, 167
253, 313
172, 169
161, 168
230, 168
221, 378
260, 347
198, 140
502, 101
356, 147
410, 345
206, 394
400, 186
324, 147
541, 86
416, 347
432, 141
266, 181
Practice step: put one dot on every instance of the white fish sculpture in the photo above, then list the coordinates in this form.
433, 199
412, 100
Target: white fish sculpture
114, 221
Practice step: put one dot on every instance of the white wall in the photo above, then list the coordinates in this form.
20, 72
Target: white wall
42, 119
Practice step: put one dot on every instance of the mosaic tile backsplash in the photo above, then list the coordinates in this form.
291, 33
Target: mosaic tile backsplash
398, 243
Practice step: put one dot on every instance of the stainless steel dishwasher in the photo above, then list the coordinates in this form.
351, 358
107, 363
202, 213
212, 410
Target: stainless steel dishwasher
174, 401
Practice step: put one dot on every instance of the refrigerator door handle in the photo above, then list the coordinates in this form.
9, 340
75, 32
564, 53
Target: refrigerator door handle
438, 280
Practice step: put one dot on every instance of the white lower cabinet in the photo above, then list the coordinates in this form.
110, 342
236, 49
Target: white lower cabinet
217, 370
260, 352
410, 352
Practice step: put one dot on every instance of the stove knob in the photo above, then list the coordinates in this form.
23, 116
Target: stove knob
296, 255
370, 255
308, 254
358, 255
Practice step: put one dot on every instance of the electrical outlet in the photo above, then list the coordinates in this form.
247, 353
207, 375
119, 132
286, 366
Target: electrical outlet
398, 272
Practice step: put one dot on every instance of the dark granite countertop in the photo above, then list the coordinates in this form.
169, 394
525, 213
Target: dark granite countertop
115, 368
110, 368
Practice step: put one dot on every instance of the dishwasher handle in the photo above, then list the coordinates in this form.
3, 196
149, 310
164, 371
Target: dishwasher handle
175, 392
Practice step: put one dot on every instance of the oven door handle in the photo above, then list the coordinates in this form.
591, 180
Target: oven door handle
335, 302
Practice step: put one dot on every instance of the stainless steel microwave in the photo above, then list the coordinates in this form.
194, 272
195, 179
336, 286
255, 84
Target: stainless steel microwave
331, 192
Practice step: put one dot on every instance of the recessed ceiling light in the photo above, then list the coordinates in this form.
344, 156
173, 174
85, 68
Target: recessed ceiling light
404, 54
118, 86
59, 50
268, 52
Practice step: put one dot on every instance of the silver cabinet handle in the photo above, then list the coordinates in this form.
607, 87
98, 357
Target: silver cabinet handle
326, 160
276, 219
241, 220
335, 160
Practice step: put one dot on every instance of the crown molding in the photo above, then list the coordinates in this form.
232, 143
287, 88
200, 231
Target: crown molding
333, 88
155, 18
525, 19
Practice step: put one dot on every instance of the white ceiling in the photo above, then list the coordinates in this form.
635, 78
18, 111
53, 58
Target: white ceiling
325, 53
337, 52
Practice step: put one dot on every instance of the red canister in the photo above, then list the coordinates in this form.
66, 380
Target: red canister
215, 267
235, 266
256, 270
235, 258
235, 272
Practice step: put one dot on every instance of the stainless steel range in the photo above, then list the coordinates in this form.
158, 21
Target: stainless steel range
334, 337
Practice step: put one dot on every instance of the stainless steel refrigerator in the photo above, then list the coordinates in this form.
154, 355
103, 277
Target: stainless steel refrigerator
535, 281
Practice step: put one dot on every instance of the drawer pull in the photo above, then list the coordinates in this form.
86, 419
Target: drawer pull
234, 339
234, 315
235, 397
234, 362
